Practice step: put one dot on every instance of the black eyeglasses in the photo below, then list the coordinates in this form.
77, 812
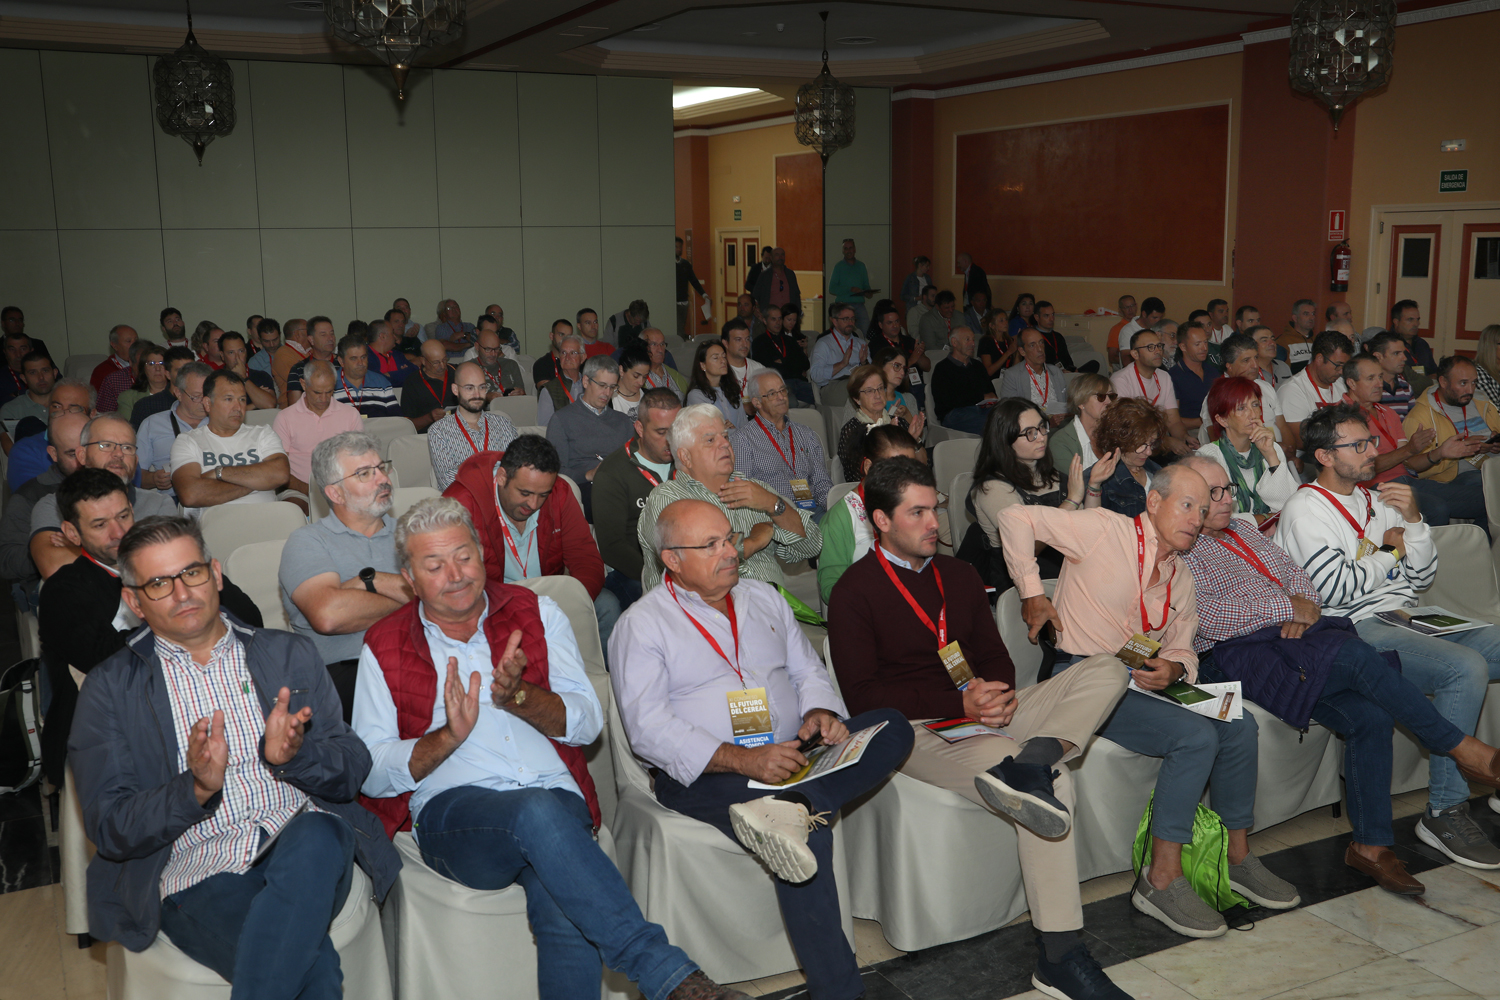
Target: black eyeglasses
1032, 433
732, 540
158, 587
1358, 446
1217, 493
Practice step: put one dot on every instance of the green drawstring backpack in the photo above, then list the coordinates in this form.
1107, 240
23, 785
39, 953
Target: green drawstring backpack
1205, 861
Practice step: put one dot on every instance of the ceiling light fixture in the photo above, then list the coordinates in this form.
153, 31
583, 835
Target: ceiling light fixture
825, 109
397, 31
857, 40
1341, 50
194, 93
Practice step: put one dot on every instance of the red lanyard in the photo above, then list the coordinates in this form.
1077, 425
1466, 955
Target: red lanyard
1314, 382
1463, 412
441, 396
359, 396
791, 445
1239, 548
511, 542
476, 447
1369, 507
1270, 377
1155, 381
107, 569
734, 629
776, 343
650, 476
1140, 554
941, 628
560, 380
839, 341
1048, 384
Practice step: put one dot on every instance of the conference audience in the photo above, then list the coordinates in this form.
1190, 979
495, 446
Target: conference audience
1130, 429
783, 454
961, 386
1089, 395
622, 483
158, 432
225, 460
997, 349
886, 334
735, 335
711, 384
847, 534
1260, 476
315, 417
1395, 453
386, 356
258, 385
148, 376
502, 375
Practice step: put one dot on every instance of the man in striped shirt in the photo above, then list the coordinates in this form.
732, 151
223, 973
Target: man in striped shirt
1370, 551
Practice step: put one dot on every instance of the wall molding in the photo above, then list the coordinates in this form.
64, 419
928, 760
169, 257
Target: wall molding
687, 133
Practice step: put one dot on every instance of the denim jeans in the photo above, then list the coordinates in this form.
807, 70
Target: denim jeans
1456, 670
1441, 502
580, 909
1362, 696
266, 931
607, 609
810, 909
801, 390
1195, 751
626, 590
969, 419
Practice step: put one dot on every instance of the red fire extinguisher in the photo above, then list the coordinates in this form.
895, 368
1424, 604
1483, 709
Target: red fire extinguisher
1338, 264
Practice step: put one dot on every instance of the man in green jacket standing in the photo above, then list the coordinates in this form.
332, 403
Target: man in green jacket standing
850, 285
622, 483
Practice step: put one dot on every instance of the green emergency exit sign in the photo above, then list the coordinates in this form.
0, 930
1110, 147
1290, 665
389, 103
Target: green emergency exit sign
1452, 180
737, 211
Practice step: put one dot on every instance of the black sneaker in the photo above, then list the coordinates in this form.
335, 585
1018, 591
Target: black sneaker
1024, 793
1077, 977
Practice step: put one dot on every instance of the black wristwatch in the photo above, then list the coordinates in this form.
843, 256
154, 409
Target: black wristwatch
368, 576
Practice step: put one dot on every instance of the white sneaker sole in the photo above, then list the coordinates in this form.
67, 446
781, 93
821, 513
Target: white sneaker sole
1267, 902
1051, 991
1150, 909
1039, 817
1435, 842
1494, 803
790, 858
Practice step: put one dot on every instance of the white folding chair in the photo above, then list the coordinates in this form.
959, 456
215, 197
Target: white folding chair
388, 429
951, 457
520, 409
577, 493
255, 568
536, 429
404, 498
835, 472
411, 458
526, 361
228, 526
837, 491
958, 509
813, 421
261, 418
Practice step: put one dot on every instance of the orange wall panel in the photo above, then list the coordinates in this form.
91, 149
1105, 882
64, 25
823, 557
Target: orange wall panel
799, 208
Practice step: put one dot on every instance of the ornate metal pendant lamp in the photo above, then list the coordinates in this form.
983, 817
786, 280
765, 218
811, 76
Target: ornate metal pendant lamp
1341, 49
397, 31
194, 94
825, 109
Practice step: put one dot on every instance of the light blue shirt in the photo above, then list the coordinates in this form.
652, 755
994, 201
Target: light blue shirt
261, 362
503, 752
155, 438
828, 353
526, 545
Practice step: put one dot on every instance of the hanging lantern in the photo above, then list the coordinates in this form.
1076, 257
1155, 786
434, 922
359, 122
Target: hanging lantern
1341, 50
397, 32
825, 109
194, 94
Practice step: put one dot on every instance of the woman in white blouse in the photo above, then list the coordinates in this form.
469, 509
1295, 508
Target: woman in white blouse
635, 365
1262, 478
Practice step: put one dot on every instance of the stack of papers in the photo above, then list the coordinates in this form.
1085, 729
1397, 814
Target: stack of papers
1431, 620
1216, 701
828, 758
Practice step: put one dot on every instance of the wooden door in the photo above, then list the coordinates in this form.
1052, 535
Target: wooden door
1478, 277
1416, 258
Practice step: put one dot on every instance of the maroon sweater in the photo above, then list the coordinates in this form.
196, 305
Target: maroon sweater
886, 658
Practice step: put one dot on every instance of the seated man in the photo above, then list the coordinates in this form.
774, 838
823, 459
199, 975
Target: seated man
785, 455
775, 348
1193, 376
1395, 453
1036, 380
770, 526
259, 385
323, 340
1450, 485
82, 618
470, 429
29, 457
369, 392
502, 375
937, 322
842, 349
671, 674
961, 386
242, 855
453, 767
589, 428
1319, 384
1369, 551
428, 392
40, 375
107, 443
625, 479
1399, 382
159, 431
1257, 610
223, 459
662, 374
1117, 571
891, 623
847, 534
314, 418
530, 523
1144, 379
16, 563
338, 575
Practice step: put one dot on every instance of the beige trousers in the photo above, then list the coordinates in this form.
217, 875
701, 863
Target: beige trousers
1070, 707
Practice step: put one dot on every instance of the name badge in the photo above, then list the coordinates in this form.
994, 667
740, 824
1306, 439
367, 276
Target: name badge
750, 717
1419, 369
958, 667
1366, 547
1138, 650
914, 375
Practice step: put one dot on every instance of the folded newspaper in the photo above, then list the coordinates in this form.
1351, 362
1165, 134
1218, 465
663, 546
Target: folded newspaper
828, 758
1431, 620
1217, 701
963, 728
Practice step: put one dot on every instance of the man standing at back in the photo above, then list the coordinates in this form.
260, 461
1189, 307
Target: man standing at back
975, 280
686, 279
850, 285
777, 284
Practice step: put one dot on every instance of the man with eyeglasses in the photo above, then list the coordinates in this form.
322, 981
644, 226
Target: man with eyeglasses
502, 375
29, 456
338, 575
663, 375
107, 443
223, 459
218, 781
1257, 606
691, 652
783, 454
589, 428
471, 429
315, 417
16, 563
1451, 481
1144, 379
82, 616
838, 352
1369, 551
566, 380
429, 392
1036, 380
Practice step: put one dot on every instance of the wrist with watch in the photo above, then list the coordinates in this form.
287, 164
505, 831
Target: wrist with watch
367, 577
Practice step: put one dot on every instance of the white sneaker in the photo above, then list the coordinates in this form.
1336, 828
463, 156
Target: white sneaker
776, 830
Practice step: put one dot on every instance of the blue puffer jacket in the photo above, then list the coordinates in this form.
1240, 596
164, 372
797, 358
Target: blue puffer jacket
136, 802
1120, 492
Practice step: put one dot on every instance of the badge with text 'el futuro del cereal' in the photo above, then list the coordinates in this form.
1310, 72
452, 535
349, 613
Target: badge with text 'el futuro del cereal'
750, 717
1138, 650
958, 667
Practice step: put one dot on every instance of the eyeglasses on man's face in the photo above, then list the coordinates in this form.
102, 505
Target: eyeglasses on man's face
366, 472
1217, 493
732, 540
1360, 445
108, 447
1149, 347
610, 386
158, 587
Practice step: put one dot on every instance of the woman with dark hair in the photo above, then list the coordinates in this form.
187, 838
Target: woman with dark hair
1021, 312
710, 382
1261, 477
635, 365
791, 323
876, 403
147, 361
886, 334
995, 347
1133, 428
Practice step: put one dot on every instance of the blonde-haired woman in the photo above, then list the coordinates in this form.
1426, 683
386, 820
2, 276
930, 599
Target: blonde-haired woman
1487, 360
1089, 395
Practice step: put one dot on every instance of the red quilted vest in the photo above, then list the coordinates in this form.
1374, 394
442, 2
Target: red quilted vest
400, 646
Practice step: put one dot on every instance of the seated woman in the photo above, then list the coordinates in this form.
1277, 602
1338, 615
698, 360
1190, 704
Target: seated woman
635, 365
1089, 395
1133, 428
996, 347
876, 403
1261, 477
711, 383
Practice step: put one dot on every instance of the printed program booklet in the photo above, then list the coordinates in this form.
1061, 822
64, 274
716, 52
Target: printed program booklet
1431, 620
963, 728
828, 758
1216, 701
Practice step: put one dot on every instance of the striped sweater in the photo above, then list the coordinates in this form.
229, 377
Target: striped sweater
1320, 540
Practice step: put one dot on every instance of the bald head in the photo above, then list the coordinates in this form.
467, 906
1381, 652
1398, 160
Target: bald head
680, 516
695, 543
469, 370
1177, 505
434, 358
63, 432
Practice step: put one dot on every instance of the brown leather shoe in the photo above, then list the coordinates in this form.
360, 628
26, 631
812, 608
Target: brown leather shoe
1388, 871
1490, 775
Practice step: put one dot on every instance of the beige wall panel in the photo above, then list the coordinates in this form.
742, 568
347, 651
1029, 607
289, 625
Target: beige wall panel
562, 275
31, 277
392, 161
404, 263
635, 141
559, 147
637, 262
481, 266
478, 151
857, 186
26, 168
213, 274
110, 276
301, 161
220, 194
308, 272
